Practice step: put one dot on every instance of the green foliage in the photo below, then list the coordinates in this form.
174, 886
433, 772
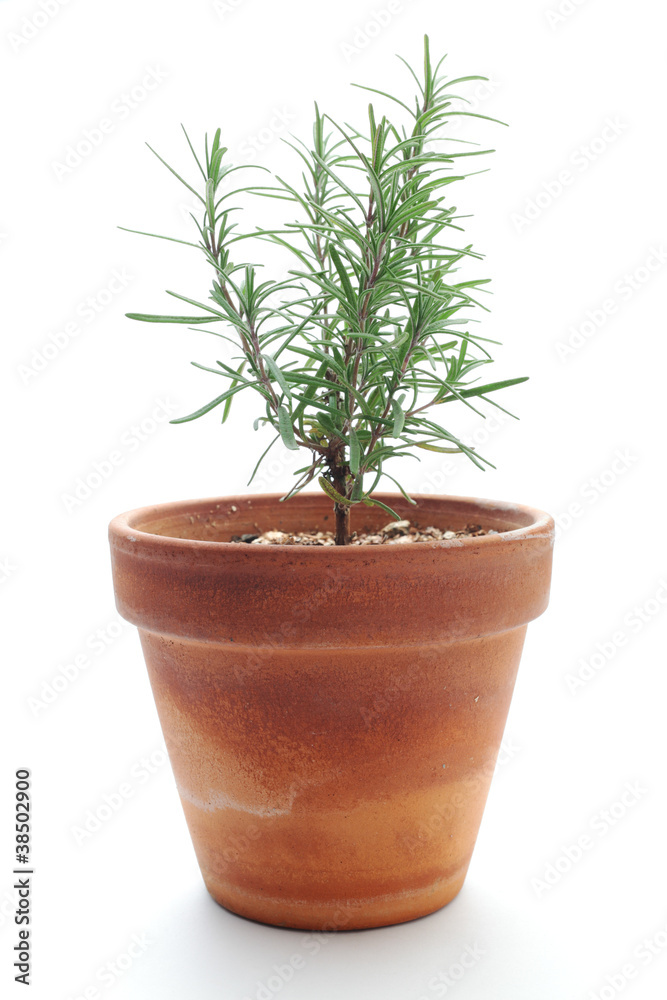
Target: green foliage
369, 333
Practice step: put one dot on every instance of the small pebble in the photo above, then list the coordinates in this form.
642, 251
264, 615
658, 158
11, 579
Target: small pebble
396, 528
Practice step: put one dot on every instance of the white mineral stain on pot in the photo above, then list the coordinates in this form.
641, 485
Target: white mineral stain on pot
218, 800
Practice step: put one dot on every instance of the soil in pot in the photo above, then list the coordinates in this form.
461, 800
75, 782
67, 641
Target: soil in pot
394, 533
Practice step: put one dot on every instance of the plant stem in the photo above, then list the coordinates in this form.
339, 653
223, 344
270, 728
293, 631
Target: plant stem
342, 511
338, 471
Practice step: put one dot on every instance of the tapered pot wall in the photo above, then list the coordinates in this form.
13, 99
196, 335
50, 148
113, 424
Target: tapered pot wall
332, 715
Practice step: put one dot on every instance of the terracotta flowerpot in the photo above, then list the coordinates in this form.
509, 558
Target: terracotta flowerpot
332, 715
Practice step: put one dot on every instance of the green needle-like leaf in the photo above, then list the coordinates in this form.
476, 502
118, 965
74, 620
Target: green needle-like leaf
355, 452
399, 419
277, 374
331, 492
286, 429
148, 318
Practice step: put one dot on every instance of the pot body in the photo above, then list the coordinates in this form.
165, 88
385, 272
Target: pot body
332, 715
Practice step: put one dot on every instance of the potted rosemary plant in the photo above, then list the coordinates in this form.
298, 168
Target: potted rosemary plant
333, 668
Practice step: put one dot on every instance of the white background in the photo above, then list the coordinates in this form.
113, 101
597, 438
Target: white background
589, 449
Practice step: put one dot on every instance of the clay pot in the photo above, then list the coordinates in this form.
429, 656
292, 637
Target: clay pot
332, 714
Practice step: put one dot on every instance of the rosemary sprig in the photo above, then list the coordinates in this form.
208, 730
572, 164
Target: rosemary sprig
370, 332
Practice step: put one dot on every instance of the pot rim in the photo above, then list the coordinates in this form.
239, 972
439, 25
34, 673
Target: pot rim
125, 526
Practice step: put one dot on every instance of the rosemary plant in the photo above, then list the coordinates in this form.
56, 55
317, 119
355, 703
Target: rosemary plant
367, 336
